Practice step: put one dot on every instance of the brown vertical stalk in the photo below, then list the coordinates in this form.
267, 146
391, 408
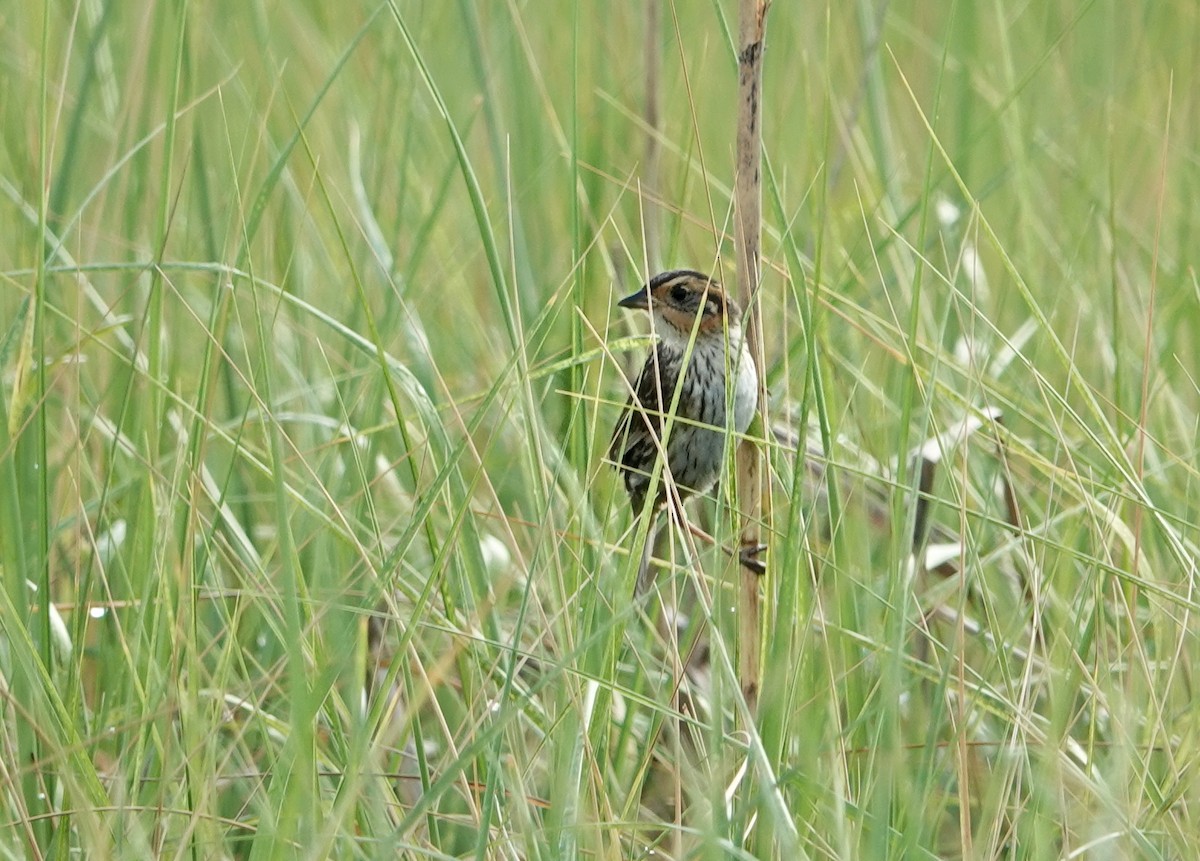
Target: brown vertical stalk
752, 25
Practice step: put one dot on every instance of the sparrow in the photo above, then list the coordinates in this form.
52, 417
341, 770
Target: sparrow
706, 371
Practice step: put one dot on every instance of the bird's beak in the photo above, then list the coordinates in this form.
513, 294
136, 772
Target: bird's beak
638, 301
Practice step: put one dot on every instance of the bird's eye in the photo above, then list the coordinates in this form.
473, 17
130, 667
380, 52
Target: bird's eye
679, 293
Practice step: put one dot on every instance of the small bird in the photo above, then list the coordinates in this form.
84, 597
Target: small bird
682, 301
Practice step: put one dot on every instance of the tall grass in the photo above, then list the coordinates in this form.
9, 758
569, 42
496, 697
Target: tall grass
307, 542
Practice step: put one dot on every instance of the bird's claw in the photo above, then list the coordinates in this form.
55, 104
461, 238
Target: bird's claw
748, 556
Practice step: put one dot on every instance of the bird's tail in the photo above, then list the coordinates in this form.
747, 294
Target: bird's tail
646, 573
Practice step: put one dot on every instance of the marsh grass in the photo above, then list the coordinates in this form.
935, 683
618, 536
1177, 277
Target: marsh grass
311, 361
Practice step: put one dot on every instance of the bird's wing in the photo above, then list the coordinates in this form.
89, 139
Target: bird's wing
633, 439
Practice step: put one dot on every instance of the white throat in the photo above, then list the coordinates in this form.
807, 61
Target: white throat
705, 341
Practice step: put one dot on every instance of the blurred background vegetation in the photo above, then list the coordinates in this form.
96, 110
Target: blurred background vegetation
310, 364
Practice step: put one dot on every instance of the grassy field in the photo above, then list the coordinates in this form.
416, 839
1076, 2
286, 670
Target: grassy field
310, 359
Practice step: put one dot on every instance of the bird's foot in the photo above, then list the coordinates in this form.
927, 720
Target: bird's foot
748, 556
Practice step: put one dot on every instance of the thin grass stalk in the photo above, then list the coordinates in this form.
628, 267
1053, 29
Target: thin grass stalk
752, 502
653, 117
37, 787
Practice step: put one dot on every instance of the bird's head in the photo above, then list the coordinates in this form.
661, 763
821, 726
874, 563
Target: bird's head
678, 297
